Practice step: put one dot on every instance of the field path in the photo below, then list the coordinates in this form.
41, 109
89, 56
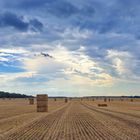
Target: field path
79, 121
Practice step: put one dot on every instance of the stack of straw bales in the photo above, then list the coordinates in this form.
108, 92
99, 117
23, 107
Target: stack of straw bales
31, 101
42, 103
102, 105
66, 100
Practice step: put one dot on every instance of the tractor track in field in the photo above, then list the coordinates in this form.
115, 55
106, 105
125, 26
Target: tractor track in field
9, 124
129, 114
74, 121
77, 124
126, 126
121, 117
35, 130
123, 113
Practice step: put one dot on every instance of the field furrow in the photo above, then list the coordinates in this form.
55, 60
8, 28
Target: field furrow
78, 121
37, 129
125, 126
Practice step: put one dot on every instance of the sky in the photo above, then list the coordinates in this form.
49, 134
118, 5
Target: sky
70, 47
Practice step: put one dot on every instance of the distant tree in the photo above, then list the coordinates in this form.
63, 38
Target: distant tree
13, 95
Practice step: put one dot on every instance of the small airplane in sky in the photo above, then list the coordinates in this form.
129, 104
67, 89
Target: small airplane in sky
44, 54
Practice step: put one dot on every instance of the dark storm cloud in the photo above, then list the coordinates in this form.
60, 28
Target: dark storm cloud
114, 24
9, 19
105, 31
36, 24
62, 8
58, 8
31, 3
23, 4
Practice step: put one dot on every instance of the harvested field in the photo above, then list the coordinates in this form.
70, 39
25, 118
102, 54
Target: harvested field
14, 113
76, 120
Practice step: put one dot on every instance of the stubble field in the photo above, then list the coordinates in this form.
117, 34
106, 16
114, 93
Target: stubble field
75, 120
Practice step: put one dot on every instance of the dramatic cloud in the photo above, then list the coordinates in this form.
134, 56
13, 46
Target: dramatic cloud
70, 47
12, 20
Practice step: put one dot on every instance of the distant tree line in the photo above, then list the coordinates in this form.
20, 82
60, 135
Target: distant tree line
13, 95
131, 96
112, 96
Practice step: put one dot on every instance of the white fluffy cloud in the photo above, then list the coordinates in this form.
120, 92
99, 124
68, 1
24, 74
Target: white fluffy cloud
66, 71
13, 50
124, 64
119, 60
43, 65
76, 67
